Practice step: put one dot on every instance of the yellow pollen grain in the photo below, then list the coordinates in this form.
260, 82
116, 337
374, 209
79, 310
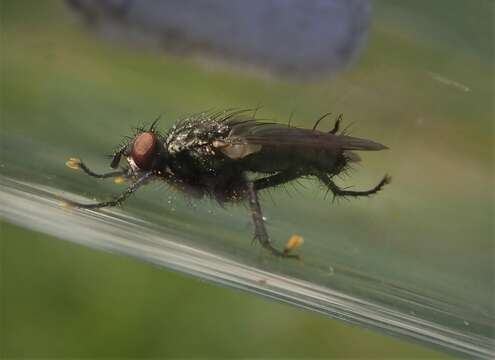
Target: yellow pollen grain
294, 242
73, 163
119, 180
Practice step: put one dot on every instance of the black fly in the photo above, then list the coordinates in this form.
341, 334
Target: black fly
211, 154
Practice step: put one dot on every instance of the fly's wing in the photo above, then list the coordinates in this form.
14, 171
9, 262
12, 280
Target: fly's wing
250, 136
354, 143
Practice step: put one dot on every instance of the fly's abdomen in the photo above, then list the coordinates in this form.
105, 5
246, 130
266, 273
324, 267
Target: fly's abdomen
276, 158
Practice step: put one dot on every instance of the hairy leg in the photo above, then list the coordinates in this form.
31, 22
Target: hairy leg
77, 164
260, 232
275, 180
122, 197
325, 179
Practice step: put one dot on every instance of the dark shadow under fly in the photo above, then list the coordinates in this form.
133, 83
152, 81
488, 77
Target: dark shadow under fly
212, 153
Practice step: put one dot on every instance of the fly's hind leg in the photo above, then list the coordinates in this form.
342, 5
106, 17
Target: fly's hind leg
275, 180
337, 191
117, 201
260, 232
77, 164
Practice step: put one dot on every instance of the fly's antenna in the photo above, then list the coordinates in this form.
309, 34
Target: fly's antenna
320, 119
116, 157
121, 149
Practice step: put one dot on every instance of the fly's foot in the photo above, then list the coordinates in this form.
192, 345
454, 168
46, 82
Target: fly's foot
387, 179
293, 243
66, 204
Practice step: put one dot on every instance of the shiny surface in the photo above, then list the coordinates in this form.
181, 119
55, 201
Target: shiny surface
110, 230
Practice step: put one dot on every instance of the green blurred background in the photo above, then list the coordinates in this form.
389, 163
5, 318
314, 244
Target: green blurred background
64, 92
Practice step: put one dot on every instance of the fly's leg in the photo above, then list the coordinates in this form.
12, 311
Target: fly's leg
341, 192
260, 232
117, 201
77, 164
275, 180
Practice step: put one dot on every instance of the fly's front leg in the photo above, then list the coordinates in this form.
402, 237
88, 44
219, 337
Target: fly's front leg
337, 191
77, 164
260, 232
117, 201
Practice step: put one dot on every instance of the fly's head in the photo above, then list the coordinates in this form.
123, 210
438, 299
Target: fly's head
143, 152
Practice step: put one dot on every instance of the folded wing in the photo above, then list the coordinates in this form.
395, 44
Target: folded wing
249, 131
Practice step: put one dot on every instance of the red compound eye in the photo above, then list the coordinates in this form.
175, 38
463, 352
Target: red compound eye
144, 149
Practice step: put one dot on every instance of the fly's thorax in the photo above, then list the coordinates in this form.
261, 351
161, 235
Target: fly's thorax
193, 134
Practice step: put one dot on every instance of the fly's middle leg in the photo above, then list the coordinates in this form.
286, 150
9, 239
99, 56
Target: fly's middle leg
260, 232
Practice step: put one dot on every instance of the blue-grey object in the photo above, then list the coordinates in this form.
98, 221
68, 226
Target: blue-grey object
292, 37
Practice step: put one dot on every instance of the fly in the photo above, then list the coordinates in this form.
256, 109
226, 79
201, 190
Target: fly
212, 154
